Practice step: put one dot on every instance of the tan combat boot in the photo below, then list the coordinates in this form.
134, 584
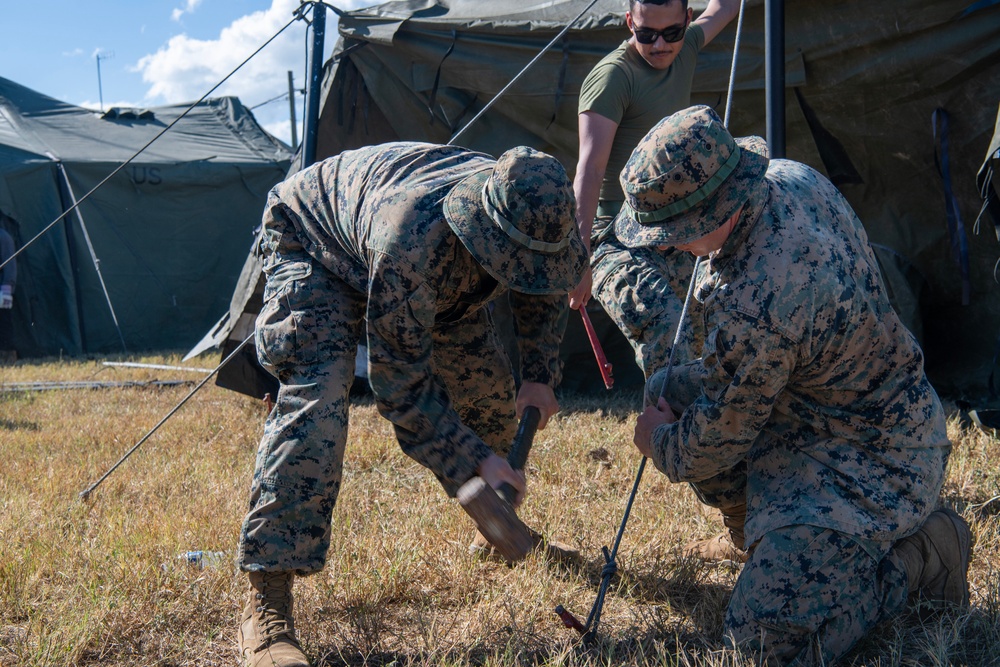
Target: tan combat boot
726, 546
556, 551
937, 557
267, 631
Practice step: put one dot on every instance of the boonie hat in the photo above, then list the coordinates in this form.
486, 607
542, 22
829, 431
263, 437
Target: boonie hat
518, 221
686, 177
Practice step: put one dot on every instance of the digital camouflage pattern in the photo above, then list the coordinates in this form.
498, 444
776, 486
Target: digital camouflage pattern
357, 249
642, 290
808, 374
813, 391
808, 595
685, 178
518, 221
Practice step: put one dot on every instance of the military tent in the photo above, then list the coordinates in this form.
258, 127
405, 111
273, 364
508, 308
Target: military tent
893, 101
151, 258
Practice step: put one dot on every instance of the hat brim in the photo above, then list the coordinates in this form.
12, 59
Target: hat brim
708, 216
513, 265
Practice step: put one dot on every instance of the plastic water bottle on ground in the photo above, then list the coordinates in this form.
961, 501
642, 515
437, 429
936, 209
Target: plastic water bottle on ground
203, 559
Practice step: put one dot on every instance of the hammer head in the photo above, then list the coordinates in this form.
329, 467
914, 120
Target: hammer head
496, 519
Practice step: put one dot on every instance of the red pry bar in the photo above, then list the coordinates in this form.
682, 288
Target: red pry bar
602, 361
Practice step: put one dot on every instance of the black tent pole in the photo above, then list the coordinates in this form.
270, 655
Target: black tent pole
774, 64
311, 124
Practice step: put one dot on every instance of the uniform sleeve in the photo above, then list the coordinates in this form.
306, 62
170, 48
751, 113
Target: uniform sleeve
683, 388
538, 335
605, 91
401, 312
746, 366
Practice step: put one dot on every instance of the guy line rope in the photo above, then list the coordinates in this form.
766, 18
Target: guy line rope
298, 14
588, 630
85, 494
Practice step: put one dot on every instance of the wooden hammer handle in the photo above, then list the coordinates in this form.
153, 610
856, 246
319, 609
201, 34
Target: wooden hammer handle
523, 439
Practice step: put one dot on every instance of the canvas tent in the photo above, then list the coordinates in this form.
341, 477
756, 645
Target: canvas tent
893, 101
168, 233
988, 181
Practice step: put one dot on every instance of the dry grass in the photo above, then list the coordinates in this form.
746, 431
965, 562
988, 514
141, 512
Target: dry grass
99, 582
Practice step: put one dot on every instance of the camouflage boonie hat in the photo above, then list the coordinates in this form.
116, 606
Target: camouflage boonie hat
686, 177
518, 221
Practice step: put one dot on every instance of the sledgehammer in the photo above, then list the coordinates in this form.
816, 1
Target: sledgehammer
493, 510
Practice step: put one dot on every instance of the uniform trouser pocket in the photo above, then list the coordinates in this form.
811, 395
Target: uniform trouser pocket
286, 326
472, 364
307, 332
807, 595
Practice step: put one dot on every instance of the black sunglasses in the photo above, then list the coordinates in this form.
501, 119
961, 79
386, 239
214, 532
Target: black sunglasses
674, 33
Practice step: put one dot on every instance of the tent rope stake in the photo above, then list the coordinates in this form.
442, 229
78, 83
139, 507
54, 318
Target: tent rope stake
589, 629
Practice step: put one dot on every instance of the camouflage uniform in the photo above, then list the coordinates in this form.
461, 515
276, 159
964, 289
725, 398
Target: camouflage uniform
357, 249
641, 289
812, 391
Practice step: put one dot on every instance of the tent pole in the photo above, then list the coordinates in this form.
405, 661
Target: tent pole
93, 253
310, 130
291, 109
774, 64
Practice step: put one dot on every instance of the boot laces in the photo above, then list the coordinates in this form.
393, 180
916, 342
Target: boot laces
273, 606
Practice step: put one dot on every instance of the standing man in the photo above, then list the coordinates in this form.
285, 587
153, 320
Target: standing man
400, 246
8, 281
810, 392
647, 78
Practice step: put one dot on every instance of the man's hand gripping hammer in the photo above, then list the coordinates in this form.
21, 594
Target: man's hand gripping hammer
493, 510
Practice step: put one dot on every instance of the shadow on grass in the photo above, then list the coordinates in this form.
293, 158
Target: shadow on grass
683, 586
620, 405
951, 637
649, 646
22, 425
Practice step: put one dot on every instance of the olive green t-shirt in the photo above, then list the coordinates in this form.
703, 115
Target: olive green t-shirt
626, 89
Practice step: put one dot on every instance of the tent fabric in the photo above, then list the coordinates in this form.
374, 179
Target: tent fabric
863, 80
169, 231
989, 183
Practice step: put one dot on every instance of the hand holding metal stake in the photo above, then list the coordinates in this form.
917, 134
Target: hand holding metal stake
589, 629
595, 344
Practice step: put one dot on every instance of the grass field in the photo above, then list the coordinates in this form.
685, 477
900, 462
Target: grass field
99, 582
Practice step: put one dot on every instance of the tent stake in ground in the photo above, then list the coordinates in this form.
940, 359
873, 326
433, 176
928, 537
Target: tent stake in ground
589, 629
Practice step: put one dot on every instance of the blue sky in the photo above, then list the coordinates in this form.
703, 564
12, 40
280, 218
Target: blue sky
155, 52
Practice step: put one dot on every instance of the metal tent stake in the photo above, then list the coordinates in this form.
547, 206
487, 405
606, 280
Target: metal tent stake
589, 629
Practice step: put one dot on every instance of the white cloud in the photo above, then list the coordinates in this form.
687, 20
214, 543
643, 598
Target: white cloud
188, 7
184, 69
